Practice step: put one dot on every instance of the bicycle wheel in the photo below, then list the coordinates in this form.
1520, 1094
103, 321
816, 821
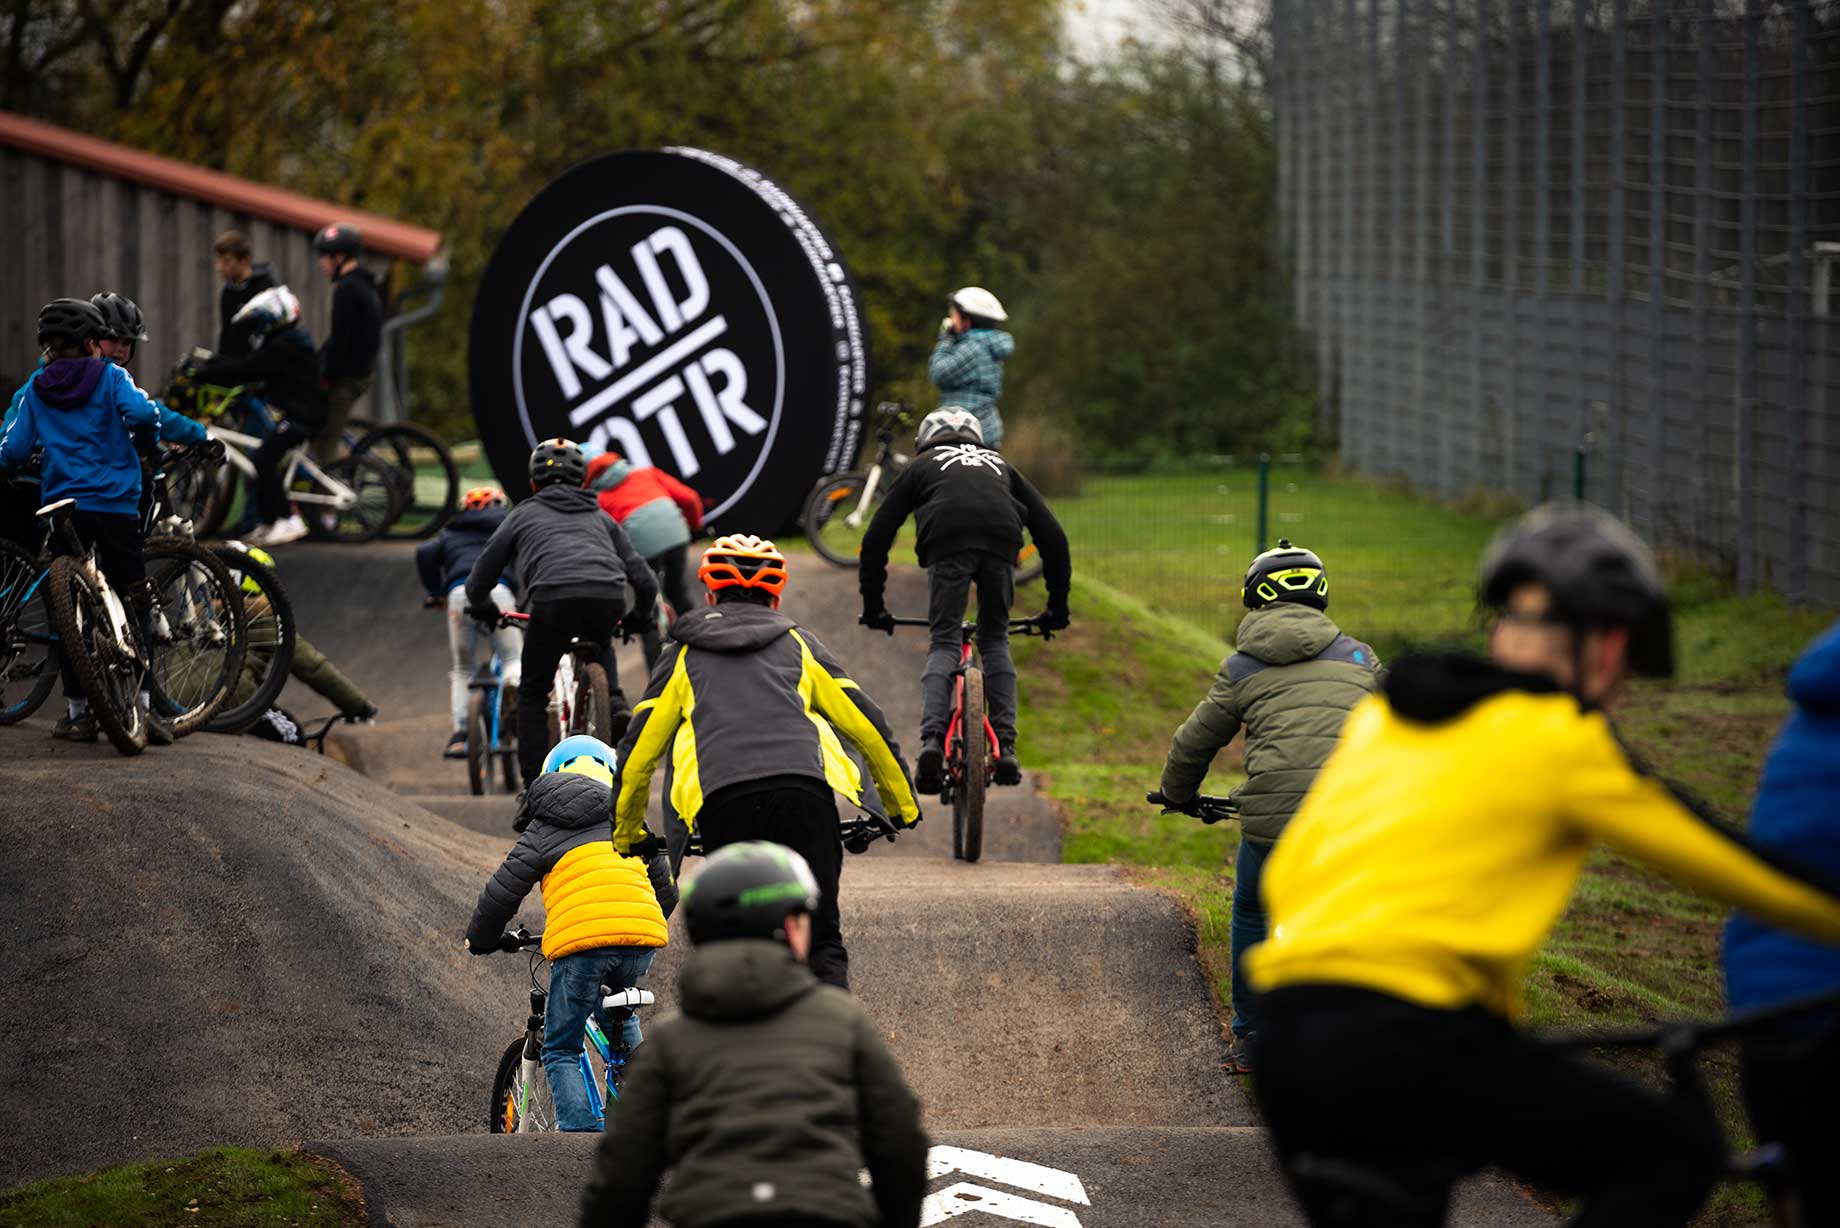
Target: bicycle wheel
831, 507
593, 703
28, 644
371, 481
519, 1106
200, 631
968, 793
109, 675
507, 740
268, 641
478, 745
426, 479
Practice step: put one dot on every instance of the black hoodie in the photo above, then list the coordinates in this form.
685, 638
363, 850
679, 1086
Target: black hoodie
351, 345
237, 340
564, 546
765, 1098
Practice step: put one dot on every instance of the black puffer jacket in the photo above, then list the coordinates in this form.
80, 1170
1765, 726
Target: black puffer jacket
445, 560
285, 371
765, 1098
564, 546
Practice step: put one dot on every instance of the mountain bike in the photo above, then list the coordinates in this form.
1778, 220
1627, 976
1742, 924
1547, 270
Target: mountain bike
268, 642
422, 470
1209, 810
521, 1098
840, 506
28, 641
97, 633
580, 699
970, 754
491, 744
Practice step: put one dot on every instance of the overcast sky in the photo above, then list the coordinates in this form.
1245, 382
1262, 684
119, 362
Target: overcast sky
1097, 26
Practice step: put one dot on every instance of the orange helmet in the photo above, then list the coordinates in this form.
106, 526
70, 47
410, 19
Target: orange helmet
745, 561
482, 496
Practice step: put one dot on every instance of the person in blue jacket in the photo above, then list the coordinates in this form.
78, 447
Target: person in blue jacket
444, 562
1791, 1072
83, 411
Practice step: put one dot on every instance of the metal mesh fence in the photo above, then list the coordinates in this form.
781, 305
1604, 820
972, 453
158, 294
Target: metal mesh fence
1540, 242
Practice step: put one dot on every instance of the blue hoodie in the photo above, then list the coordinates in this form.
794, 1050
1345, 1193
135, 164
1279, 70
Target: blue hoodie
82, 411
175, 427
1796, 814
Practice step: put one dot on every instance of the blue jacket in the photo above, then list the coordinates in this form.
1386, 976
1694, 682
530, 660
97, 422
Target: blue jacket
1796, 814
83, 412
175, 427
444, 560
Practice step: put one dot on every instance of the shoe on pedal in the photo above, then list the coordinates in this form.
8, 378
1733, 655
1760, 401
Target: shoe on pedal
456, 745
1008, 771
75, 728
929, 769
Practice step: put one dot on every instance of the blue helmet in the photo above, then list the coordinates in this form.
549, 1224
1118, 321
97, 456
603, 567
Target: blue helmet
580, 746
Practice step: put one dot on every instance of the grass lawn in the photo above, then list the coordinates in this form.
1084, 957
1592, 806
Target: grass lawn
231, 1187
1100, 702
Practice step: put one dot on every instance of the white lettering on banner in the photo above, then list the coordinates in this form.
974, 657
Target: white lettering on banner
565, 354
1038, 1178
964, 1198
642, 375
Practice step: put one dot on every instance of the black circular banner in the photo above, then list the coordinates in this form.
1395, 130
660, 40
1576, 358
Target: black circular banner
681, 309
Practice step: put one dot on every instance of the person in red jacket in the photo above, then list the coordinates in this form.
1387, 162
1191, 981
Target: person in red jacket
661, 515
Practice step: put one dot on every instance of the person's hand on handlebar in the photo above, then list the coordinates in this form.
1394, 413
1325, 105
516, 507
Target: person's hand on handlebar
483, 613
634, 622
876, 617
646, 847
1056, 617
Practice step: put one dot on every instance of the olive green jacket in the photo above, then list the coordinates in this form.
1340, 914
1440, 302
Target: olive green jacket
1291, 684
311, 667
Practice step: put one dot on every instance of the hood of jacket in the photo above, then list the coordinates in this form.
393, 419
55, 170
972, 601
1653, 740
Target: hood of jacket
726, 982
481, 520
607, 471
565, 799
1433, 687
737, 626
1284, 633
68, 382
1814, 681
999, 343
574, 499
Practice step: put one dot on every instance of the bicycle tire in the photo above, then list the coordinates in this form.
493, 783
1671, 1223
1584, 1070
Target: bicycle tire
507, 1111
268, 641
968, 796
478, 753
109, 683
507, 745
394, 445
26, 671
208, 613
829, 502
376, 504
593, 703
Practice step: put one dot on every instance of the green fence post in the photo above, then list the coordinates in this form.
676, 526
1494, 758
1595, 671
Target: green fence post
1578, 474
1264, 497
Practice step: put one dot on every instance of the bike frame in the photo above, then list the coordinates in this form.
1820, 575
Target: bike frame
956, 726
341, 496
595, 1039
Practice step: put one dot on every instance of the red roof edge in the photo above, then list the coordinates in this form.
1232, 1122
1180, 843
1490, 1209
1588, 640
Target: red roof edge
382, 235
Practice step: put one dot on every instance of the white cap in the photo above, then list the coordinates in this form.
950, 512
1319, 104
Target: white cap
977, 301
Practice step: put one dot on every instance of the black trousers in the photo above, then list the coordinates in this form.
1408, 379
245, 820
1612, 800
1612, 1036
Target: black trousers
1427, 1096
271, 499
673, 571
1791, 1085
546, 637
804, 819
948, 586
118, 542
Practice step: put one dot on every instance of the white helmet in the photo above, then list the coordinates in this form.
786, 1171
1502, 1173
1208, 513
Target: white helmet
276, 307
977, 301
949, 424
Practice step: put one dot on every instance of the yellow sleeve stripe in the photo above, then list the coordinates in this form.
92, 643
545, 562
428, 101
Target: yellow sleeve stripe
666, 712
840, 710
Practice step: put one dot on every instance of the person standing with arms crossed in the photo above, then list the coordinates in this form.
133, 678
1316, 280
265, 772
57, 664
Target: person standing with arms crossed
348, 359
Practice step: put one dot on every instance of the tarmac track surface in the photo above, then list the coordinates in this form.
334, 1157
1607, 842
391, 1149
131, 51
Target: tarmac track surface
259, 945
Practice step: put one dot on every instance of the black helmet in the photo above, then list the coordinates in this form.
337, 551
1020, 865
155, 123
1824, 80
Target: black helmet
70, 319
1599, 572
558, 460
1289, 573
123, 318
748, 890
338, 240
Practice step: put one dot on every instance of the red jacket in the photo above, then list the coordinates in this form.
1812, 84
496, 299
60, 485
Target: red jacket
640, 487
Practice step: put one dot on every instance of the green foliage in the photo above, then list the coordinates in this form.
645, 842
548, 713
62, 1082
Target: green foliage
232, 1187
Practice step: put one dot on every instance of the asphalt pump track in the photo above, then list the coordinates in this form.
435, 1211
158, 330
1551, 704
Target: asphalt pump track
230, 941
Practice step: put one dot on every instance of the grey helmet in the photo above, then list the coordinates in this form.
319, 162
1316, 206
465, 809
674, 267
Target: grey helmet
747, 890
949, 424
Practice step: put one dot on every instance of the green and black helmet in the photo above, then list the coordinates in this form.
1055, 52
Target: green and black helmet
1289, 573
748, 890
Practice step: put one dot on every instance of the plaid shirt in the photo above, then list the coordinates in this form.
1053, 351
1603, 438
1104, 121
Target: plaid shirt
967, 368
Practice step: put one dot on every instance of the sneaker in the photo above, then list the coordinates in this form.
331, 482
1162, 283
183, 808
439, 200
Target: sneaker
1239, 1055
1008, 772
456, 745
75, 728
284, 531
159, 729
929, 769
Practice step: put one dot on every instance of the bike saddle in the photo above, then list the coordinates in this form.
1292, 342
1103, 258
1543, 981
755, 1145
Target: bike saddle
612, 1001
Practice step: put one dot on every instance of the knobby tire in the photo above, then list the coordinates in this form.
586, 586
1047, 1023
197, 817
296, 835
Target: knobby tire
28, 645
215, 610
593, 703
968, 797
268, 642
78, 612
478, 750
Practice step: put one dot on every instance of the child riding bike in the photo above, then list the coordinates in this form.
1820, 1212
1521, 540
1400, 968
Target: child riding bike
575, 563
770, 1094
970, 507
1292, 681
605, 914
746, 707
443, 562
1436, 850
662, 516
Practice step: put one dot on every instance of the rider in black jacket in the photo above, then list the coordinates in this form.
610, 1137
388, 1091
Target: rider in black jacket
348, 359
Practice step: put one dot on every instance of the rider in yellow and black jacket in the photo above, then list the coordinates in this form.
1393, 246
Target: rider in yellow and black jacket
1435, 852
747, 707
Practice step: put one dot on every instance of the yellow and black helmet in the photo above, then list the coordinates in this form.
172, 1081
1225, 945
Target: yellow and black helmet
1289, 573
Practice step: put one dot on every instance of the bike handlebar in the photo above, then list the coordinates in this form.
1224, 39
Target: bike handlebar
519, 939
1208, 809
507, 617
857, 833
1017, 626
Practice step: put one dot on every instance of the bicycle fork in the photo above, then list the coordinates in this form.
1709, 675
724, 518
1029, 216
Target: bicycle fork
531, 1069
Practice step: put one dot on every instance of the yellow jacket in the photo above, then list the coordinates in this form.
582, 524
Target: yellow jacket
1437, 849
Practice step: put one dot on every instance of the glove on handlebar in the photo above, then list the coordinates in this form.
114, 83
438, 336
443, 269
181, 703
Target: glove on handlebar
486, 614
877, 618
1056, 616
646, 847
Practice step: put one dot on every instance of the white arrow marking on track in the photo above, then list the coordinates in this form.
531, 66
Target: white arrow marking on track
1020, 1173
964, 1198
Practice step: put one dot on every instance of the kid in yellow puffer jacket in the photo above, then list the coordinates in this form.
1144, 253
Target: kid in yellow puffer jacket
605, 914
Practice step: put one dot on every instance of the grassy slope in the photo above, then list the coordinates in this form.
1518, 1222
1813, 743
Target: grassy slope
231, 1187
1100, 703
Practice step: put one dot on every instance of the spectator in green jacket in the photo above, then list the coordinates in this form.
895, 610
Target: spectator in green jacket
1292, 682
771, 1093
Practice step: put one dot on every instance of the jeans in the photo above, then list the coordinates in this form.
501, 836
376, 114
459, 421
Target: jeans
271, 499
574, 993
552, 624
463, 636
948, 585
1248, 929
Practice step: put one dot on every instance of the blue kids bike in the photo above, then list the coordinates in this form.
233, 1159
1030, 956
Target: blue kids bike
489, 741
